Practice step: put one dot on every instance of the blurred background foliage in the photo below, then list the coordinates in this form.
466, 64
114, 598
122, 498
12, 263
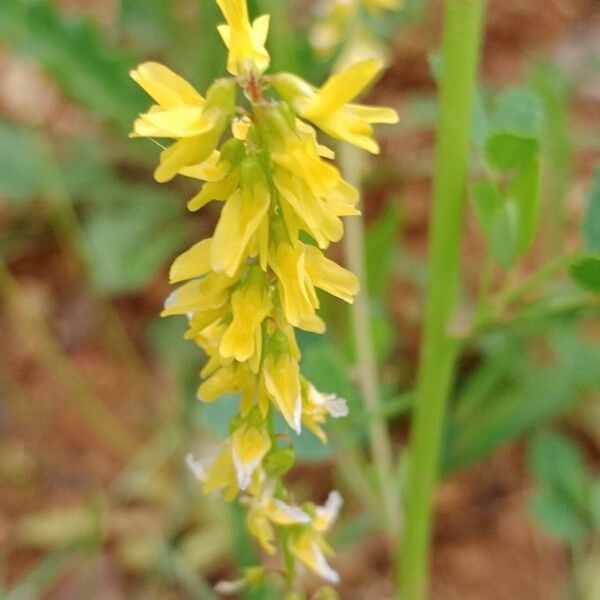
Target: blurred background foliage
97, 395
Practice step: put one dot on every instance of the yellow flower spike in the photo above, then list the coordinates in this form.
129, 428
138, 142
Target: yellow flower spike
248, 287
245, 42
250, 304
281, 376
329, 276
328, 106
249, 445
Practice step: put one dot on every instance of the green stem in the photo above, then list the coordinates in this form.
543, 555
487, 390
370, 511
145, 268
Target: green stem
379, 437
463, 25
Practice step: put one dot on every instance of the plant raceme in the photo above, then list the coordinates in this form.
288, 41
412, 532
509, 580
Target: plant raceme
254, 281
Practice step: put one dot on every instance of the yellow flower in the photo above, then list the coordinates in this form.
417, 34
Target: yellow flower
240, 220
184, 115
249, 445
250, 304
281, 378
265, 511
166, 87
316, 406
329, 109
296, 291
200, 295
216, 473
320, 217
229, 379
245, 42
192, 263
329, 276
308, 544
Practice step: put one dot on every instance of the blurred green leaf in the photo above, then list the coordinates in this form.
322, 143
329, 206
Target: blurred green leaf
591, 222
487, 199
504, 233
76, 54
507, 151
47, 571
512, 392
515, 129
27, 168
151, 23
558, 468
127, 242
517, 112
512, 413
524, 189
557, 514
552, 85
585, 270
557, 465
381, 250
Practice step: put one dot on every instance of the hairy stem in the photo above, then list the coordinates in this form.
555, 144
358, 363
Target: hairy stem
379, 438
463, 24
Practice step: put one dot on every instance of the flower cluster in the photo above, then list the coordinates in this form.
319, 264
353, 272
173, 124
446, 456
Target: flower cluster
246, 289
340, 20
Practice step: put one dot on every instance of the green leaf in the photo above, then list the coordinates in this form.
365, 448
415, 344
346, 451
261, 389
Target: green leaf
381, 250
487, 199
557, 465
518, 112
508, 415
504, 233
128, 242
514, 130
591, 222
74, 52
525, 190
28, 167
506, 151
558, 516
585, 270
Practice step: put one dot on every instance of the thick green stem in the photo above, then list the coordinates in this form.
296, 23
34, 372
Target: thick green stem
463, 24
380, 442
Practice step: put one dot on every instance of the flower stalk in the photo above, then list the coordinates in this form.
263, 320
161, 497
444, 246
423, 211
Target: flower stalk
367, 372
463, 24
